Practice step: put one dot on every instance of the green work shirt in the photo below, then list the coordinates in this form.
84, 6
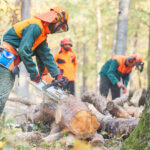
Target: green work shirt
23, 46
110, 71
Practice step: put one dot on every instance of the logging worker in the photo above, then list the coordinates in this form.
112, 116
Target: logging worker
26, 39
117, 68
67, 63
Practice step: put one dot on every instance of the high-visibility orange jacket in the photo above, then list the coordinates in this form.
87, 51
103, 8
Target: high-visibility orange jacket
67, 63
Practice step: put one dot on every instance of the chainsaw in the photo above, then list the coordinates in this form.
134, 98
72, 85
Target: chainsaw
52, 90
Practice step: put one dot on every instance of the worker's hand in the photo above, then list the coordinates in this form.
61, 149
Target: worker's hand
60, 77
120, 85
36, 78
125, 91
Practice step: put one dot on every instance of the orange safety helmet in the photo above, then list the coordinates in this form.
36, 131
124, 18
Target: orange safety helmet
55, 15
137, 60
66, 41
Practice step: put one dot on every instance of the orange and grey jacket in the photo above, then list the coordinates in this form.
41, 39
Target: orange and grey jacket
67, 63
115, 69
28, 38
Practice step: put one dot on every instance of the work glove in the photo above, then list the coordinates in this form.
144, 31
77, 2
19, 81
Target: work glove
36, 78
60, 77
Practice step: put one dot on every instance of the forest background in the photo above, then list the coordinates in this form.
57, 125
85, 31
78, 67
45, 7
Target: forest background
93, 27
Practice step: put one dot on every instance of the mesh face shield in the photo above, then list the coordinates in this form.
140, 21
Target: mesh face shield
62, 27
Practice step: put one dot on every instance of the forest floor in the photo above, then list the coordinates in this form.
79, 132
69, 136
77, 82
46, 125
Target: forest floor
10, 141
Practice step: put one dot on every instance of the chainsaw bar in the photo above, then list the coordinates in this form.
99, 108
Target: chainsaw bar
54, 92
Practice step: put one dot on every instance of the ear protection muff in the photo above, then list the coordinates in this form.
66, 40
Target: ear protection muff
131, 59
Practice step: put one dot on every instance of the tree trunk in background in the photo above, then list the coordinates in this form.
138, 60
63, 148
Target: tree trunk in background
99, 45
133, 51
122, 27
23, 88
148, 68
84, 78
25, 9
14, 13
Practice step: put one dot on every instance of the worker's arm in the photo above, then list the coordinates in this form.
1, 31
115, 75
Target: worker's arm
111, 73
126, 79
47, 59
29, 35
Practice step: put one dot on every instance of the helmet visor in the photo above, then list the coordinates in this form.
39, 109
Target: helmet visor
61, 28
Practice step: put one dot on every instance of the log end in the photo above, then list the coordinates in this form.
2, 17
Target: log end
84, 124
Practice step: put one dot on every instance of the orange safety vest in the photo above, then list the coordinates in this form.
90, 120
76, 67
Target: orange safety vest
67, 63
18, 27
121, 61
45, 30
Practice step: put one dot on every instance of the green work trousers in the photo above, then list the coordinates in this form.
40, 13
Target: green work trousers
105, 85
6, 84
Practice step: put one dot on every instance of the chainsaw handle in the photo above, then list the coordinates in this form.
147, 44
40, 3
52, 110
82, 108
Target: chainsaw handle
53, 83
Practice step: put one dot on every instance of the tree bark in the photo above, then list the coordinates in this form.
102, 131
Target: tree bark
122, 29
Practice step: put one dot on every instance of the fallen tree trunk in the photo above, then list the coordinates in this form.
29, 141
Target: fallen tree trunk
100, 102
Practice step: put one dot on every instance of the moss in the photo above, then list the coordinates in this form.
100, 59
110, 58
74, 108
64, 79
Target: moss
138, 140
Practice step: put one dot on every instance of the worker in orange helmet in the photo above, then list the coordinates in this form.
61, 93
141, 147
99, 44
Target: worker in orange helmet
117, 68
26, 39
67, 63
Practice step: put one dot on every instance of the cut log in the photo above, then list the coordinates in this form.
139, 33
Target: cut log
134, 111
100, 102
115, 127
97, 140
139, 97
117, 111
75, 115
118, 127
